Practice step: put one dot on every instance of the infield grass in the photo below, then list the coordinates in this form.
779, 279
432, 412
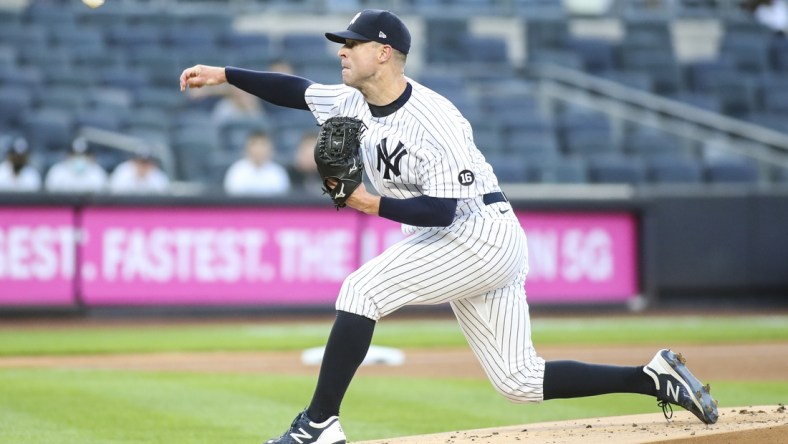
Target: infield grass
104, 406
247, 336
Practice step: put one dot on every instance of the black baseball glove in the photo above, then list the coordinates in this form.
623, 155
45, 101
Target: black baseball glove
337, 157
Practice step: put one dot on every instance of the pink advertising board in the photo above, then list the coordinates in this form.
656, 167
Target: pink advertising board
580, 257
287, 256
36, 256
227, 256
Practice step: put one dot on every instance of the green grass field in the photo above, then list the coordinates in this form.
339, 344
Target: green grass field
102, 406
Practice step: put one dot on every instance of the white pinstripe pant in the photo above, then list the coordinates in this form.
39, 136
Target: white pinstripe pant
478, 265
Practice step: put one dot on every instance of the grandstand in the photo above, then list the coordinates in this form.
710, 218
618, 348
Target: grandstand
638, 92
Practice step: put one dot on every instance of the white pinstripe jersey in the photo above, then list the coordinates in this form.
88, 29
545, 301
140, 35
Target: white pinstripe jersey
425, 147
478, 264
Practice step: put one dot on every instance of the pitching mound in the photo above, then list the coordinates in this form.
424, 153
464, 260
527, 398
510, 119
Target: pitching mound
760, 424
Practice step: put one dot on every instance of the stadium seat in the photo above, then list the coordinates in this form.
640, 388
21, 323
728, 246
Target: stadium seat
485, 50
446, 36
246, 41
674, 169
134, 38
98, 118
647, 142
704, 101
15, 101
637, 80
560, 57
703, 75
508, 168
617, 169
565, 170
193, 159
234, 132
544, 32
779, 55
730, 170
304, 48
8, 56
159, 97
487, 137
48, 129
596, 55
150, 117
528, 143
66, 98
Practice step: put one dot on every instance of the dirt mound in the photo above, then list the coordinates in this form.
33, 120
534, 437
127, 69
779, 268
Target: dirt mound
760, 424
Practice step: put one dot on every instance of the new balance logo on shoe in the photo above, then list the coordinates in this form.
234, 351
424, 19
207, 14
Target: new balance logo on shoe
673, 391
302, 435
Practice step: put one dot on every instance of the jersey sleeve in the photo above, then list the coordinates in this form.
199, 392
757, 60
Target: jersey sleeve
452, 167
324, 100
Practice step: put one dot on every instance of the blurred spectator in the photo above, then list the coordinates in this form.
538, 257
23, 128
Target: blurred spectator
257, 173
770, 13
237, 104
78, 173
140, 175
15, 173
302, 169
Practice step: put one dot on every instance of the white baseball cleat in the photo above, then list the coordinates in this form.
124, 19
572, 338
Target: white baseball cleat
304, 431
676, 385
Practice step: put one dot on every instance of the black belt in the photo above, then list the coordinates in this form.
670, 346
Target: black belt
491, 198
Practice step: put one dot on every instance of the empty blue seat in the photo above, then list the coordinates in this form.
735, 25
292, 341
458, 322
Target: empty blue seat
704, 75
305, 48
776, 100
133, 38
15, 101
189, 37
234, 40
674, 169
485, 49
529, 143
597, 55
66, 98
49, 129
508, 168
101, 119
637, 80
617, 169
705, 101
446, 36
560, 57
148, 118
648, 142
159, 97
487, 137
564, 170
545, 32
730, 170
234, 132
779, 54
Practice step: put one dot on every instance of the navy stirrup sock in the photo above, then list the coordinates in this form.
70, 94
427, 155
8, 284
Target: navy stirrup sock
346, 348
572, 379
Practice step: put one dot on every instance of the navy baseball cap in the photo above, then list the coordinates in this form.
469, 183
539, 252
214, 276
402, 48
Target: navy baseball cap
375, 25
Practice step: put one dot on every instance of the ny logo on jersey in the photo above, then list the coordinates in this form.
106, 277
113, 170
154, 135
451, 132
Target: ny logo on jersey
390, 159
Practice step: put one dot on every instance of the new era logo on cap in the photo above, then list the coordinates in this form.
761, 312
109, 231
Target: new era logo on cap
375, 25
